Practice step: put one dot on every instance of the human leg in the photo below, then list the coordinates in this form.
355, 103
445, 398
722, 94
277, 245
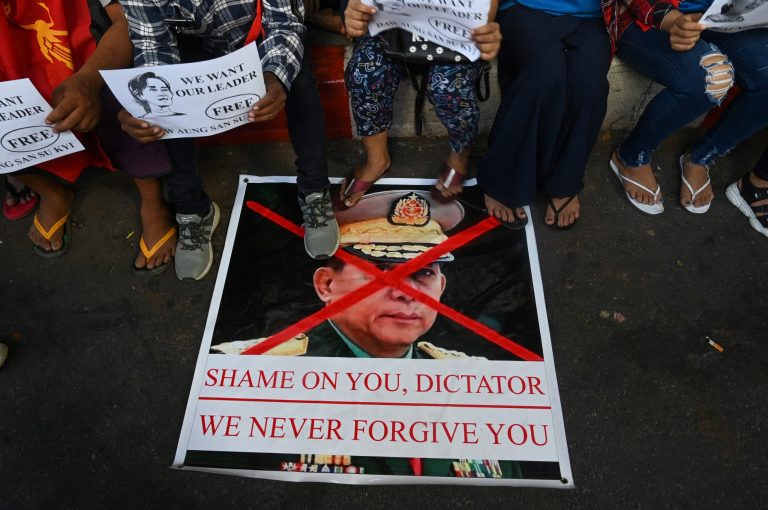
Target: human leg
372, 79
588, 55
748, 113
49, 231
522, 139
196, 215
750, 195
451, 89
146, 163
20, 200
694, 81
306, 127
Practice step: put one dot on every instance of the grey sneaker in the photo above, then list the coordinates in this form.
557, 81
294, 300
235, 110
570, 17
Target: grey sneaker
194, 254
321, 231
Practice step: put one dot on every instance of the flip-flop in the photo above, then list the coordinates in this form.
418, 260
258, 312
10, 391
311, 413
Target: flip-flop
651, 209
701, 209
62, 222
448, 177
19, 209
350, 186
557, 211
144, 272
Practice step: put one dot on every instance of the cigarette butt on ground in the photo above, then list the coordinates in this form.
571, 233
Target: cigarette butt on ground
130, 234
715, 344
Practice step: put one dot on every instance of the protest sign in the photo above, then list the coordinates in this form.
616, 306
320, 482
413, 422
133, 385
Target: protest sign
195, 99
419, 354
25, 138
445, 22
736, 15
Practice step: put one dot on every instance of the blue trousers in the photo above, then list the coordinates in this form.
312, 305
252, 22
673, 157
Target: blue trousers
553, 71
685, 95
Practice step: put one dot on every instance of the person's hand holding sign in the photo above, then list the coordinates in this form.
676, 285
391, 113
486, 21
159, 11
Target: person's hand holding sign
272, 102
487, 38
76, 103
356, 18
139, 129
684, 29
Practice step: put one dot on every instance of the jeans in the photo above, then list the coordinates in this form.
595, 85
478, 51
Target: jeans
686, 96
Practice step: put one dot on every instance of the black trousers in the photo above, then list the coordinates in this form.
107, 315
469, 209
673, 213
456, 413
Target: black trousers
553, 72
306, 128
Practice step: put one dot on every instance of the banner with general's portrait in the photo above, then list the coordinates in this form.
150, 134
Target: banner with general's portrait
419, 353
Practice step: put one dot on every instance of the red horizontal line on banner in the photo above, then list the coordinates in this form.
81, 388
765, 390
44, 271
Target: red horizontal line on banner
346, 403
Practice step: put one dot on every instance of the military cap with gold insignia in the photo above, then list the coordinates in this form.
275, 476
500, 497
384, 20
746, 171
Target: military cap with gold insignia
397, 225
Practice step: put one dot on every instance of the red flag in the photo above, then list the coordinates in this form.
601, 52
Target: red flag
46, 41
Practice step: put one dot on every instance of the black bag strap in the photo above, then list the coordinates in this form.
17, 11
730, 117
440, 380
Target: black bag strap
483, 82
418, 76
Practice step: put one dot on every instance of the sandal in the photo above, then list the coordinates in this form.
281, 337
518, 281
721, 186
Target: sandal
148, 252
350, 186
685, 159
652, 209
557, 211
744, 198
448, 177
62, 222
18, 210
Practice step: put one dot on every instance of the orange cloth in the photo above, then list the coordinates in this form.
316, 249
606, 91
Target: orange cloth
46, 41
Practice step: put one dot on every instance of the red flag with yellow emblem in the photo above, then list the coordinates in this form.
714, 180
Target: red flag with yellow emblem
46, 41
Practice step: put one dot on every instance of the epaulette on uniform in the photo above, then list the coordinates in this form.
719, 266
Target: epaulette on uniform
296, 346
435, 352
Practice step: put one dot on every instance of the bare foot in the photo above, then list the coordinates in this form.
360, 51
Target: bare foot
371, 171
155, 224
697, 176
54, 205
563, 210
642, 174
457, 162
503, 213
25, 197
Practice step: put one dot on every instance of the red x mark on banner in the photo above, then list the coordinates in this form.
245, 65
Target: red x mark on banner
394, 278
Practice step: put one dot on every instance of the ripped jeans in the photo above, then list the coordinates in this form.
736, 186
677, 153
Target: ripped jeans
696, 81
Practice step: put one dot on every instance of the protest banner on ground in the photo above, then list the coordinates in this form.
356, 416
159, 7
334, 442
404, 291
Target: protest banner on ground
445, 22
420, 353
25, 138
195, 99
736, 15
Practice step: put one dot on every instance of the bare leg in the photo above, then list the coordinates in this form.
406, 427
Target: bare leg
501, 211
55, 201
642, 174
155, 222
460, 163
377, 161
567, 216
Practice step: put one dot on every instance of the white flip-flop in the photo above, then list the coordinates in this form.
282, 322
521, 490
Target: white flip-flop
690, 207
652, 209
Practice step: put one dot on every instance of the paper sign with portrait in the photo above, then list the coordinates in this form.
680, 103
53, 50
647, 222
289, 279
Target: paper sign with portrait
736, 15
196, 99
25, 138
420, 353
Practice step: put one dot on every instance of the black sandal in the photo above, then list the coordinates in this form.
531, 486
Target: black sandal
557, 211
744, 198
